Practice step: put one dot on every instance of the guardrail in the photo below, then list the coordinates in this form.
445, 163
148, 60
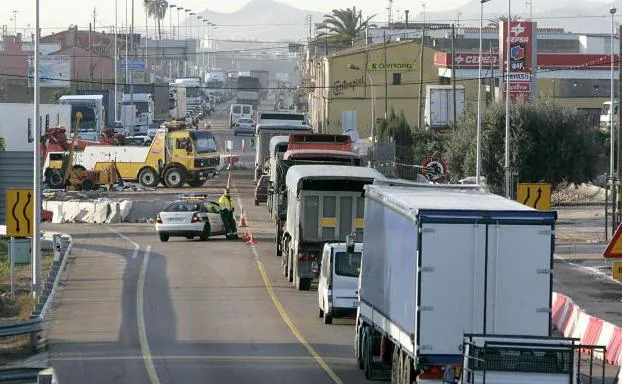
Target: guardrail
36, 323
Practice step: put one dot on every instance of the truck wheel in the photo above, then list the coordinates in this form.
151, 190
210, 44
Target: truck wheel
290, 268
173, 178
328, 318
321, 313
406, 371
359, 346
366, 353
164, 237
303, 284
55, 179
196, 183
87, 185
148, 178
395, 365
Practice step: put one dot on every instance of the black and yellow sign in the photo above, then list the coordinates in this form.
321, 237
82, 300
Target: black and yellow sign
19, 212
536, 195
2, 144
400, 67
617, 270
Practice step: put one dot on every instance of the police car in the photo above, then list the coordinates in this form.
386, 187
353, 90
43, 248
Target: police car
190, 216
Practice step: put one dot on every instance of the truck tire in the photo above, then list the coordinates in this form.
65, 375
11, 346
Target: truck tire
406, 371
366, 355
303, 284
328, 318
359, 346
55, 179
148, 178
290, 267
396, 370
173, 178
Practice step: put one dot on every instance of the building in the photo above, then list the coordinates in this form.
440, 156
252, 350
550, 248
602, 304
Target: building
348, 82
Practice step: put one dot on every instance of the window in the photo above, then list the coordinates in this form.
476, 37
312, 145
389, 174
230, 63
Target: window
348, 265
397, 78
181, 143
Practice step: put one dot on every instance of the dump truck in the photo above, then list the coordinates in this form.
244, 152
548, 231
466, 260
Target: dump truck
303, 148
174, 158
456, 284
324, 204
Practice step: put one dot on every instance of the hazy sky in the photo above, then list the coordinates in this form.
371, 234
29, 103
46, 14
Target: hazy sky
59, 14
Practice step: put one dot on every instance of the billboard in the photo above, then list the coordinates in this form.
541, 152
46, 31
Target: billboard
54, 71
522, 57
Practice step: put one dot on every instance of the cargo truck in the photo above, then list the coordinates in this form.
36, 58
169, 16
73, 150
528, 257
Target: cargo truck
439, 106
305, 148
324, 204
264, 131
17, 128
453, 274
93, 111
174, 158
264, 82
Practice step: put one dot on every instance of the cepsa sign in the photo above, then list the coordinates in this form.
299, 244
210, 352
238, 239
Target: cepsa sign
472, 59
521, 54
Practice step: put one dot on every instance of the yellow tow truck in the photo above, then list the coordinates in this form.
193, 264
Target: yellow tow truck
173, 158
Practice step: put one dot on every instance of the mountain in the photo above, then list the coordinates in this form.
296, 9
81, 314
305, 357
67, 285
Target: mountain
262, 21
579, 16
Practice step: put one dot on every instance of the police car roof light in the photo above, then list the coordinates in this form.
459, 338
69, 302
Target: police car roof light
194, 196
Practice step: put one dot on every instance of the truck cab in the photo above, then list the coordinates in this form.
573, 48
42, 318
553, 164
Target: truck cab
337, 288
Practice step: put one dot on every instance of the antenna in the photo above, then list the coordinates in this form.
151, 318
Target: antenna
529, 4
390, 9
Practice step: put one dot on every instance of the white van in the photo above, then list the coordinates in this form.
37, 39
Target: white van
338, 286
235, 113
247, 112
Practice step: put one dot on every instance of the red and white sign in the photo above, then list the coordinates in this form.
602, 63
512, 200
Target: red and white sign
465, 59
435, 170
614, 248
521, 55
577, 61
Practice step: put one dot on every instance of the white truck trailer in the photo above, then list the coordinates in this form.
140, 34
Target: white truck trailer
17, 126
444, 262
439, 105
324, 204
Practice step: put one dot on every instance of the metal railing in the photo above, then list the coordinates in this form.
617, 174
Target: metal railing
35, 325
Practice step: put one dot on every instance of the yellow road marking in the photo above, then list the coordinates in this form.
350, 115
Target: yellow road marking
140, 315
283, 313
223, 358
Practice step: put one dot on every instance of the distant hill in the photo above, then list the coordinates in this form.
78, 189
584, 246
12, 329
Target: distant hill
579, 16
262, 20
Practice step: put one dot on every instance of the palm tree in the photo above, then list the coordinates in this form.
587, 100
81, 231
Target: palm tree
343, 26
495, 22
156, 9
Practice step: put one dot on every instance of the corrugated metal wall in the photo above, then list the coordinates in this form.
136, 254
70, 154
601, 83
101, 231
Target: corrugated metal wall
15, 172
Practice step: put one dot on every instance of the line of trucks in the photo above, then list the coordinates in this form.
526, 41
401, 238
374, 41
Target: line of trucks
449, 283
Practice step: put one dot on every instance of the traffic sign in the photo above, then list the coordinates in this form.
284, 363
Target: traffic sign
617, 270
534, 195
19, 212
132, 65
614, 248
434, 169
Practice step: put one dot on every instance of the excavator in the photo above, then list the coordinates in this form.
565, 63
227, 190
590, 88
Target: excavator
76, 177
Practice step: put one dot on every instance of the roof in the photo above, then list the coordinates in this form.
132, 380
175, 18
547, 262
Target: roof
286, 126
413, 198
340, 172
320, 153
276, 140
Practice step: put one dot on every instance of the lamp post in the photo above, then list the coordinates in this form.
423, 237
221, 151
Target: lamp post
116, 58
178, 28
188, 12
36, 182
612, 12
170, 20
478, 156
373, 112
199, 43
508, 174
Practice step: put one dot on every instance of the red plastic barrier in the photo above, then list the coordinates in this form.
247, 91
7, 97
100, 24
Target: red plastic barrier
592, 333
614, 348
558, 308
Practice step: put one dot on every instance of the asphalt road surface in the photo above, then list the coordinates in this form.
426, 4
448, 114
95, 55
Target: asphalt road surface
134, 310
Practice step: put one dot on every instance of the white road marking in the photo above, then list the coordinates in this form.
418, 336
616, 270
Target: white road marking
135, 244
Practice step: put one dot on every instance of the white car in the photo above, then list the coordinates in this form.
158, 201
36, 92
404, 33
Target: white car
244, 126
189, 217
338, 285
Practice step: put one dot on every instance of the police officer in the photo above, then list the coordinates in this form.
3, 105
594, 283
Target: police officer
227, 206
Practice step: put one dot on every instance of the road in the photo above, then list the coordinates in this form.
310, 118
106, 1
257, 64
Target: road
133, 309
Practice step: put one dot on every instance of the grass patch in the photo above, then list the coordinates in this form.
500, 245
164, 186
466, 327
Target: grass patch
21, 307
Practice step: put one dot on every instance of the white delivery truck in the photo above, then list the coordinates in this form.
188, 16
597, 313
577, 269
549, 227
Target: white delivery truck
324, 205
137, 113
445, 262
17, 127
93, 112
439, 105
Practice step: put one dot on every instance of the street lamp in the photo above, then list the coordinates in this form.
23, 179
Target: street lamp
478, 156
178, 34
188, 11
36, 181
612, 11
373, 112
116, 62
508, 175
170, 20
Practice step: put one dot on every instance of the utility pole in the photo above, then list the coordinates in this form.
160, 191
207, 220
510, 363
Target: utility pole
131, 82
386, 80
421, 53
15, 22
36, 182
619, 139
90, 57
453, 75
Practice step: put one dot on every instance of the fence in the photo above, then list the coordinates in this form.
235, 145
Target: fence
396, 161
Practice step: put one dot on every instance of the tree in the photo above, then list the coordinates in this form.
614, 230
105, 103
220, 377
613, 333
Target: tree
156, 9
343, 26
548, 143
